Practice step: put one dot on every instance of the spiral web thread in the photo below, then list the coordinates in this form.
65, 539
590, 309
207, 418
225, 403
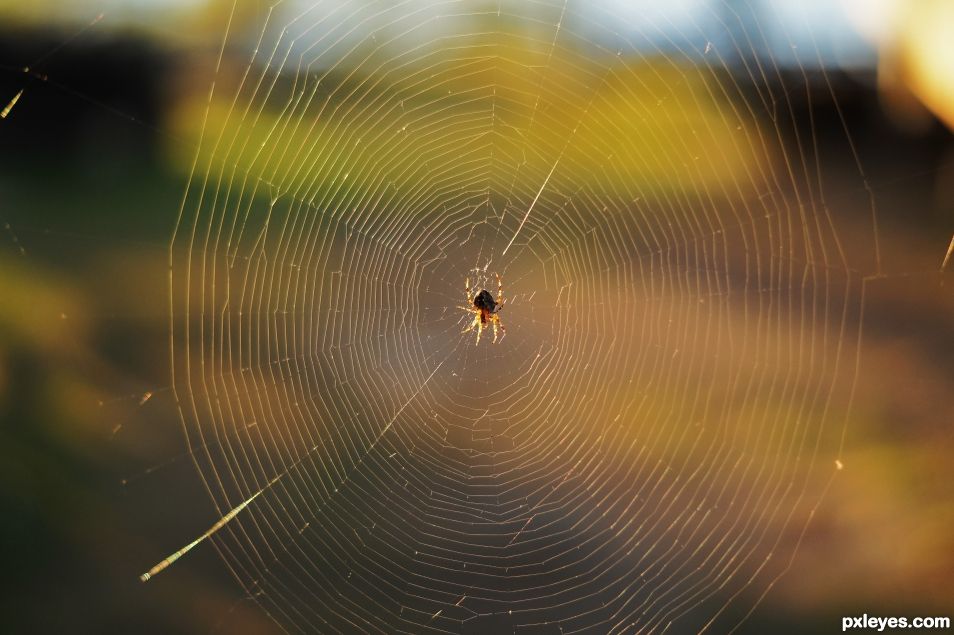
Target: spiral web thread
644, 447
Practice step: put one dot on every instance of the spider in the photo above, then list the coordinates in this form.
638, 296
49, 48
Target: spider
485, 308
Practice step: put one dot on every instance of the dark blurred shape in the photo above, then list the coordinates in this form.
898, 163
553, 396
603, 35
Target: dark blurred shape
74, 92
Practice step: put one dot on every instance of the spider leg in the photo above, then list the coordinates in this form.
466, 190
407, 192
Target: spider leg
480, 329
470, 299
500, 298
499, 324
473, 323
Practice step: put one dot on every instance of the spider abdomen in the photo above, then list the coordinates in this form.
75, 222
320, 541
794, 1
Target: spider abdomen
485, 302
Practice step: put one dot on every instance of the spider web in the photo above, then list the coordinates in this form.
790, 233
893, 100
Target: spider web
644, 448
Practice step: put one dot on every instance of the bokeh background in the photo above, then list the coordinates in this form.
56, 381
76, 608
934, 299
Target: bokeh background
95, 480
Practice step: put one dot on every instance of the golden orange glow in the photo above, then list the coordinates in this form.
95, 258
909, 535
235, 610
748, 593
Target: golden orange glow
927, 50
